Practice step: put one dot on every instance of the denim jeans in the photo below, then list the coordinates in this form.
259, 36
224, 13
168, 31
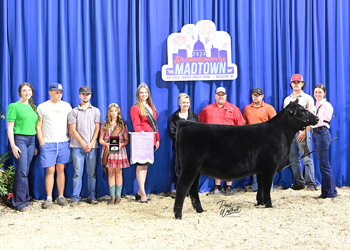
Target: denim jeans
296, 168
79, 156
322, 140
26, 143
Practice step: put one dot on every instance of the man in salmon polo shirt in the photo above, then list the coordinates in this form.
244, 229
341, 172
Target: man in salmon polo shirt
221, 112
256, 112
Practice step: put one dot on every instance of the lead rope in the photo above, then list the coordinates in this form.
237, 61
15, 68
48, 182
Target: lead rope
305, 155
307, 146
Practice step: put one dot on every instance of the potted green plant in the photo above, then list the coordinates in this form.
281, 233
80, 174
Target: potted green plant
7, 177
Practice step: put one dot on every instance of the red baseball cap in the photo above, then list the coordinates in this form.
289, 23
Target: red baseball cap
297, 77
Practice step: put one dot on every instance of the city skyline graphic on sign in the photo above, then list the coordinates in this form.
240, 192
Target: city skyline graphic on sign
199, 52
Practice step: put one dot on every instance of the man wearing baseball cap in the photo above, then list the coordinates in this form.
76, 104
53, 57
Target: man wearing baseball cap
52, 132
256, 112
301, 142
84, 125
221, 112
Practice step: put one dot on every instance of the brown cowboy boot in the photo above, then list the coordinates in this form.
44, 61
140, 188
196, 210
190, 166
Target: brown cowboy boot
117, 200
111, 202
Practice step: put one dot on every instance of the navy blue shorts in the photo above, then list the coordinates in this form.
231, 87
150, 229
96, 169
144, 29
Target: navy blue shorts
55, 152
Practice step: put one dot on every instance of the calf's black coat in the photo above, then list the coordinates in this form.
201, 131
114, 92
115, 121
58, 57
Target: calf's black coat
175, 118
232, 152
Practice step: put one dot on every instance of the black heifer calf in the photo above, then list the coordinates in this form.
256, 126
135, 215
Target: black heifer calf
232, 152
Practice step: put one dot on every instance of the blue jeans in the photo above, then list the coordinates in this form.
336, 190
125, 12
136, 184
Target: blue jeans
79, 156
296, 168
21, 198
322, 140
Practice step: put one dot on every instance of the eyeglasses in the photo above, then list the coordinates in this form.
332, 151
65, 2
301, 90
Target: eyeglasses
297, 83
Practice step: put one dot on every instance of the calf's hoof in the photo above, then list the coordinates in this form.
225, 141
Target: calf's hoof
260, 203
178, 213
199, 210
178, 217
269, 205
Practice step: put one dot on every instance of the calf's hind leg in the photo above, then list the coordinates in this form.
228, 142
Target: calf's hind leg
266, 181
196, 203
260, 194
186, 180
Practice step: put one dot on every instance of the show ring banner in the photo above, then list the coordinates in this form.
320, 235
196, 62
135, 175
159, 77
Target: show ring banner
142, 149
199, 53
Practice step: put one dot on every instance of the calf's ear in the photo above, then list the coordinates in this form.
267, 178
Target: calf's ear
297, 101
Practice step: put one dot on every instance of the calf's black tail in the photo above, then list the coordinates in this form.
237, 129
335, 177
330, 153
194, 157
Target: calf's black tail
180, 125
177, 162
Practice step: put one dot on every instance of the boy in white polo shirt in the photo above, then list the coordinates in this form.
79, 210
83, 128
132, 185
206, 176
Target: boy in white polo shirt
52, 133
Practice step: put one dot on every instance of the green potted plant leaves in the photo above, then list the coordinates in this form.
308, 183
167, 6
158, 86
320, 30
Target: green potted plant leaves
7, 177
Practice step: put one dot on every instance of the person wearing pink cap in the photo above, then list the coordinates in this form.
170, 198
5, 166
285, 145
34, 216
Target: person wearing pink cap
301, 142
221, 112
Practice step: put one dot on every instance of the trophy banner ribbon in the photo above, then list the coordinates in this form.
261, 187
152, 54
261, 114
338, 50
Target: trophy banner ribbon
141, 147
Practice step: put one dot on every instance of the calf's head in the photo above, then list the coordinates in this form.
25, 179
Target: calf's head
299, 113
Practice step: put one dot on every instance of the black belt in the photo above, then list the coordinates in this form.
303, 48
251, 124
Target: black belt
315, 130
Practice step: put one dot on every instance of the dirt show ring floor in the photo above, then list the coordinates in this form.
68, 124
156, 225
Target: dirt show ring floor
297, 221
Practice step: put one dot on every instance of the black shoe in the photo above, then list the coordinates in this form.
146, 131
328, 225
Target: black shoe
229, 191
322, 196
298, 186
311, 188
215, 191
137, 197
144, 201
250, 189
173, 195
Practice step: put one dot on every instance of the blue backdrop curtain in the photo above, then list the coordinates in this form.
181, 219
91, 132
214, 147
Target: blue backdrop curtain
113, 46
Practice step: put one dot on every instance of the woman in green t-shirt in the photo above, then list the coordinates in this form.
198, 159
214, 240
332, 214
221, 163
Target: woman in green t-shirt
22, 118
